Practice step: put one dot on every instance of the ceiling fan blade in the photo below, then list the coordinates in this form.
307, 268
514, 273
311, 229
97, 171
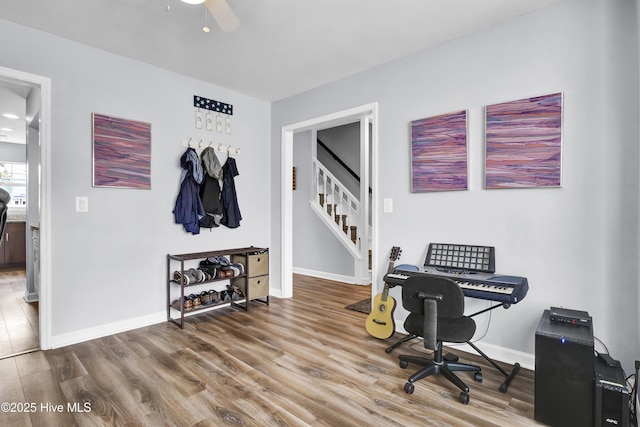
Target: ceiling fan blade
224, 16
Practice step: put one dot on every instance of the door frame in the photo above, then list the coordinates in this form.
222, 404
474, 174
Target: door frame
44, 305
367, 111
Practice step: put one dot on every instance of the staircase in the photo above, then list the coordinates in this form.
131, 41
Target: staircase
340, 210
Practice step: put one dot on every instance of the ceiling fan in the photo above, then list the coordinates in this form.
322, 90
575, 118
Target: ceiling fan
221, 12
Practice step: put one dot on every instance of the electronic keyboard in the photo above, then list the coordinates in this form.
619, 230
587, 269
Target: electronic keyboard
488, 286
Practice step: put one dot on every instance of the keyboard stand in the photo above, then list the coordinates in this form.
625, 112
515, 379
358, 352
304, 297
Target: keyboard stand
399, 343
509, 375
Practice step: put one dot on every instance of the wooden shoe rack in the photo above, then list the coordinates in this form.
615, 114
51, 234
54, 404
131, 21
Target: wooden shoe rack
254, 282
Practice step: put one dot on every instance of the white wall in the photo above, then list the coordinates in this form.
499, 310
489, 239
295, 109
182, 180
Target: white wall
315, 248
109, 265
577, 245
10, 152
344, 141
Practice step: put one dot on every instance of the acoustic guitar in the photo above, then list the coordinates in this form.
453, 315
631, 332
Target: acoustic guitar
380, 323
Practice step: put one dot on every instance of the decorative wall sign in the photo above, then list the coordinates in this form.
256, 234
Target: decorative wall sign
439, 153
213, 105
121, 152
523, 143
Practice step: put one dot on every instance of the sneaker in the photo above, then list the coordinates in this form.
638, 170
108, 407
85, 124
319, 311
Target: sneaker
196, 274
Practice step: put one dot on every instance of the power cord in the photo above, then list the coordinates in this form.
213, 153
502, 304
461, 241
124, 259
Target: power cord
633, 398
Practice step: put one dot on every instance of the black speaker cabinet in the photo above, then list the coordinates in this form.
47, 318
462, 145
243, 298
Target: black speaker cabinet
564, 374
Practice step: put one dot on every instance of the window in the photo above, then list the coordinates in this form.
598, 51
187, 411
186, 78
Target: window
13, 178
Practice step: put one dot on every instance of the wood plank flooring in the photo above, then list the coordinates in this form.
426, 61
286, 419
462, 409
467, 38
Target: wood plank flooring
18, 319
305, 361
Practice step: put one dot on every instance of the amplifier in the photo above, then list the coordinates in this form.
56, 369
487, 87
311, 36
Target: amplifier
611, 394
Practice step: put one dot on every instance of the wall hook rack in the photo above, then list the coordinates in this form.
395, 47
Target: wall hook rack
201, 145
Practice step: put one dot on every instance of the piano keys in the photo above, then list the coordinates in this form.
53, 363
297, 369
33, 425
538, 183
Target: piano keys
489, 286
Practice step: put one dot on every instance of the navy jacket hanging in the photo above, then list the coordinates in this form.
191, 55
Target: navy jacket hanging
188, 209
230, 206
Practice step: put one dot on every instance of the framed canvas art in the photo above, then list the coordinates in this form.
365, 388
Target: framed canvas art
523, 143
439, 153
121, 153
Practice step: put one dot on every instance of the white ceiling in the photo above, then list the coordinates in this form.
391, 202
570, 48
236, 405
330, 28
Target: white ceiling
282, 47
13, 101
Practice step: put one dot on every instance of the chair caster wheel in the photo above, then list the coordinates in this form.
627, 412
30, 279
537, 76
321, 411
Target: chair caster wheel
503, 388
478, 377
388, 350
408, 387
404, 364
463, 398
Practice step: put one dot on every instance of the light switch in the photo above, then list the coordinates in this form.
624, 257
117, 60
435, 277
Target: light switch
82, 204
388, 205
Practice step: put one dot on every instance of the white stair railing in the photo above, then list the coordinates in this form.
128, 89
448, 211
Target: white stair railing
338, 207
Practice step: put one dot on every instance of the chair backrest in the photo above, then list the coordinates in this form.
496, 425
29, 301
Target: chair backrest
450, 307
5, 197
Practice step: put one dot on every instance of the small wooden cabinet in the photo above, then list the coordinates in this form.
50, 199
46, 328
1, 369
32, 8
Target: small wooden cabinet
253, 281
13, 251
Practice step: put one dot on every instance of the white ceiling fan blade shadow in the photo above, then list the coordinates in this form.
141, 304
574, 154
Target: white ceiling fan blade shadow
224, 16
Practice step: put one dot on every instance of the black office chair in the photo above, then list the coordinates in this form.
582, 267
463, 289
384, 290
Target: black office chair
436, 307
5, 197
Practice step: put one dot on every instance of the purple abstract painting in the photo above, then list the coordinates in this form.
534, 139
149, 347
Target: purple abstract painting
523, 143
121, 153
439, 153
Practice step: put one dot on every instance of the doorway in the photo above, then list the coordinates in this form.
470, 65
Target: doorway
367, 115
37, 215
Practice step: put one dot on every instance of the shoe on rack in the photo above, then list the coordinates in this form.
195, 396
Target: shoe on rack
197, 302
211, 261
186, 279
225, 295
196, 274
237, 290
205, 298
215, 296
188, 305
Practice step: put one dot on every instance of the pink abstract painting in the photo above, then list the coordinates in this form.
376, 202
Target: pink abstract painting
439, 153
523, 143
121, 153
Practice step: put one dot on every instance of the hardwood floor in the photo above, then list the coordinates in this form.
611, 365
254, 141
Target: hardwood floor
305, 361
18, 319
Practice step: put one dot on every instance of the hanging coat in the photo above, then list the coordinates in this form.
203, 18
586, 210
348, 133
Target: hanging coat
210, 189
188, 209
230, 206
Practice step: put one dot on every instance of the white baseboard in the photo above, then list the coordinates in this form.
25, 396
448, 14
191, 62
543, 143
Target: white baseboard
331, 276
70, 338
495, 352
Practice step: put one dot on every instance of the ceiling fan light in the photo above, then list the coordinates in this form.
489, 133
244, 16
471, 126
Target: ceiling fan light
193, 1
205, 29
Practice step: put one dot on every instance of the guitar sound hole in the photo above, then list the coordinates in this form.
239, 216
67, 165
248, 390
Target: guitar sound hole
382, 308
